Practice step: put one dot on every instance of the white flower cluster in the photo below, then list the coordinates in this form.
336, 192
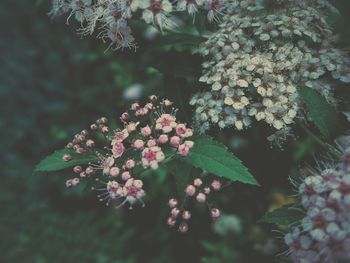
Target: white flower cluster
110, 17
257, 58
324, 233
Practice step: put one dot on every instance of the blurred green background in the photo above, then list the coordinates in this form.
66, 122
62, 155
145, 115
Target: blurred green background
52, 85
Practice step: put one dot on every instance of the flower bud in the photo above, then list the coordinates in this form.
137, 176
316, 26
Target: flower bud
163, 138
207, 190
216, 185
129, 164
89, 171
77, 169
70, 145
79, 150
172, 203
138, 144
214, 213
126, 176
151, 143
201, 198
175, 141
175, 212
146, 131
93, 127
105, 129
190, 190
186, 215
90, 143
171, 221
197, 182
67, 157
114, 171
183, 228
131, 127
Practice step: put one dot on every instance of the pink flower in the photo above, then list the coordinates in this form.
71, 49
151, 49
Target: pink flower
138, 144
146, 131
152, 156
197, 182
141, 112
118, 149
166, 123
120, 136
182, 131
172, 203
113, 189
163, 138
133, 191
186, 215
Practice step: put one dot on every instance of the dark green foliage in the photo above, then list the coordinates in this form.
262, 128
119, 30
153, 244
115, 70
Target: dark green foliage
285, 215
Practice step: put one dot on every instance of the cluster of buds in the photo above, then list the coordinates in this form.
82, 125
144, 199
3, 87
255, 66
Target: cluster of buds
151, 134
180, 215
324, 232
111, 17
258, 57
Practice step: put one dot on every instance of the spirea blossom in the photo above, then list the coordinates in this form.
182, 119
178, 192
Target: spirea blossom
324, 232
258, 58
146, 139
110, 18
198, 192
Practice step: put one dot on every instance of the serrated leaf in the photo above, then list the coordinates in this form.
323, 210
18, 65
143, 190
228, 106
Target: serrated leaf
286, 215
323, 115
214, 157
54, 162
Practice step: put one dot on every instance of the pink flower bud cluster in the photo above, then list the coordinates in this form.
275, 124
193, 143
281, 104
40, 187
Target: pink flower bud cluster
180, 215
324, 232
149, 131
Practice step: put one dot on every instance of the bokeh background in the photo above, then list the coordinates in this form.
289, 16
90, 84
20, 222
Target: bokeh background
53, 84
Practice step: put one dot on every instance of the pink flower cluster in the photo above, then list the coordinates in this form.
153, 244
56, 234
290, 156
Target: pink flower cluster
193, 191
149, 131
324, 233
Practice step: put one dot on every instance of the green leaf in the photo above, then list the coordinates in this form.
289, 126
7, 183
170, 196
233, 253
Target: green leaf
214, 157
323, 115
54, 162
286, 215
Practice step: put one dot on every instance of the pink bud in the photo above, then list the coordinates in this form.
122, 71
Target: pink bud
163, 138
175, 141
129, 164
89, 171
189, 144
138, 144
125, 116
82, 174
197, 182
207, 190
190, 190
90, 143
172, 203
186, 215
77, 169
149, 106
67, 158
183, 150
105, 129
171, 221
175, 212
126, 176
183, 228
216, 185
153, 98
135, 106
167, 103
132, 127
114, 171
215, 213
151, 143
146, 131
201, 198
